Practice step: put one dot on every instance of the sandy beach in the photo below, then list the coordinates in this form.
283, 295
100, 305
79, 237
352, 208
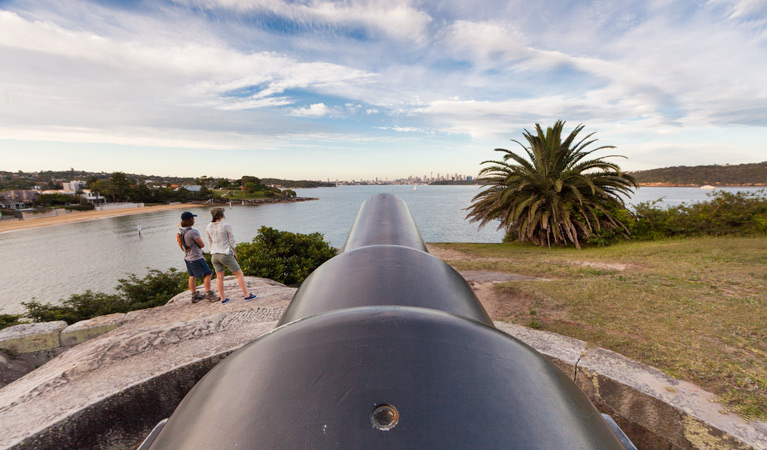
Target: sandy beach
81, 216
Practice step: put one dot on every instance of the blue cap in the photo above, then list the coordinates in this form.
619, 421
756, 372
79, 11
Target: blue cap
187, 215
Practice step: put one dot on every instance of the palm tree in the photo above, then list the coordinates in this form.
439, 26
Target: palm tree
556, 195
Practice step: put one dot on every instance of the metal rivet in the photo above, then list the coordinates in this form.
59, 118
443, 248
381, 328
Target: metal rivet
384, 417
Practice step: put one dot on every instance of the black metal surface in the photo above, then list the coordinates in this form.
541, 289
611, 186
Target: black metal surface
455, 383
384, 219
385, 275
386, 346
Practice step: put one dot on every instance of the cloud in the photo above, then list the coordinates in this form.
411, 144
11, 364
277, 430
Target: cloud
316, 110
236, 73
396, 20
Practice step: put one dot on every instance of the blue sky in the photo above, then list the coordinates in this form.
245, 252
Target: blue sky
365, 89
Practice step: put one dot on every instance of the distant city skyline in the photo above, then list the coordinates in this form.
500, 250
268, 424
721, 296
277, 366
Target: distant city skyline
318, 90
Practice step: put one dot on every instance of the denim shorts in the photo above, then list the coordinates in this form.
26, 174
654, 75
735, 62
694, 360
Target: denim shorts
198, 268
221, 261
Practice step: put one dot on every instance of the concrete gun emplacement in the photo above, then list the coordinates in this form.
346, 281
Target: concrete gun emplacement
386, 346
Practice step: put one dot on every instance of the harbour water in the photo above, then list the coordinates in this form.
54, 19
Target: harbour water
49, 264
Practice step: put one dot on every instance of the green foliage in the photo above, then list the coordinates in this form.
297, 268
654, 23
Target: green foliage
86, 207
119, 186
74, 309
609, 235
9, 320
155, 289
55, 199
283, 256
736, 174
725, 214
534, 322
297, 183
555, 195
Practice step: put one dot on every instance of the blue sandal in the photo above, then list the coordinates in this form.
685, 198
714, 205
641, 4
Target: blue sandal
251, 297
226, 300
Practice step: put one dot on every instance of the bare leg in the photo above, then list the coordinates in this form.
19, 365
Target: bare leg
192, 285
220, 284
206, 282
241, 282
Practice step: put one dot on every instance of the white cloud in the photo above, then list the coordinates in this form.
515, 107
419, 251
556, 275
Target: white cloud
315, 110
479, 73
397, 20
400, 129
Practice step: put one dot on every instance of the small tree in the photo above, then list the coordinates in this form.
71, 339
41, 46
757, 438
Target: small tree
120, 186
283, 256
552, 192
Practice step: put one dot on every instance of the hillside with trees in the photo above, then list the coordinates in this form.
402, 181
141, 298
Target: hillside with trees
716, 175
296, 183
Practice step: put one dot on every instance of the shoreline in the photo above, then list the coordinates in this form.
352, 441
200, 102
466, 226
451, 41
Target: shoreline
660, 184
9, 226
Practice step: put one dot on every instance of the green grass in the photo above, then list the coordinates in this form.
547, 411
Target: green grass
695, 308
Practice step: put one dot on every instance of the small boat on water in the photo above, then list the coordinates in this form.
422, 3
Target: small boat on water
708, 186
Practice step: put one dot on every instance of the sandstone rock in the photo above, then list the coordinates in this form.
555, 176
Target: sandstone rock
563, 351
111, 390
79, 332
681, 413
12, 369
32, 337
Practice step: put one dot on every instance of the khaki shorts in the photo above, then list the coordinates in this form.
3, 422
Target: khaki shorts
220, 261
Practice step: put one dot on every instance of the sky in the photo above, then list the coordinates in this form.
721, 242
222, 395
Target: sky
361, 89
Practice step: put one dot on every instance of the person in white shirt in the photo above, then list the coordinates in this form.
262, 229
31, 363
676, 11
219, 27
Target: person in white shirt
223, 255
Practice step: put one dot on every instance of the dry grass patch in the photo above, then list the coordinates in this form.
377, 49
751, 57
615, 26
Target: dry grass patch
694, 308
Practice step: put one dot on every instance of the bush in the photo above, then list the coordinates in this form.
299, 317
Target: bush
283, 256
725, 214
86, 207
55, 199
155, 289
74, 309
9, 320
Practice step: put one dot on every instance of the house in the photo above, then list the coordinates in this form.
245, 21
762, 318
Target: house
191, 187
74, 186
92, 196
18, 199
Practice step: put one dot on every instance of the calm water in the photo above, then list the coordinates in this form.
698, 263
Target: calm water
51, 263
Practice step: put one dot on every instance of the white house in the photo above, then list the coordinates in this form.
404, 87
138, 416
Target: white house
74, 186
92, 196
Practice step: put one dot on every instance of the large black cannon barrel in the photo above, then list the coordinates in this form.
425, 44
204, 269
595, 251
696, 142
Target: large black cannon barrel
385, 346
385, 263
384, 219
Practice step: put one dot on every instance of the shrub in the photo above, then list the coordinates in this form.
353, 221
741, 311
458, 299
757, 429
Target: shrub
9, 320
283, 256
725, 214
155, 289
86, 207
74, 309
